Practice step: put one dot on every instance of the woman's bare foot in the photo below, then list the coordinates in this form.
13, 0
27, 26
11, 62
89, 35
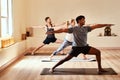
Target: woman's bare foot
49, 59
62, 53
32, 53
85, 58
51, 70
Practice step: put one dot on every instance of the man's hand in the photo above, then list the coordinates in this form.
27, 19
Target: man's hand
101, 25
109, 25
58, 31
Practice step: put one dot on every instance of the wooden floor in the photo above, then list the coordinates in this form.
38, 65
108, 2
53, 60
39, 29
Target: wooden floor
29, 68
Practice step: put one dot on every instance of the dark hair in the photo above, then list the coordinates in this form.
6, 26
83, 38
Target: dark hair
47, 18
79, 18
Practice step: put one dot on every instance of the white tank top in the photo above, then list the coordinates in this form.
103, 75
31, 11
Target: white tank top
69, 36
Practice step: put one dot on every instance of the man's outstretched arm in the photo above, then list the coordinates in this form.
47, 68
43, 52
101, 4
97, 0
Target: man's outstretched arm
58, 31
100, 26
61, 30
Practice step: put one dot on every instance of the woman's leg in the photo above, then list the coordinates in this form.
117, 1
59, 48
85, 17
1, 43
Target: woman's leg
64, 45
59, 41
37, 48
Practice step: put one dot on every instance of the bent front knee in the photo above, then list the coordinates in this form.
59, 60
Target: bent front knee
98, 52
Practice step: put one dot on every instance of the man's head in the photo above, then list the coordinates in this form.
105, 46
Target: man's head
48, 20
80, 20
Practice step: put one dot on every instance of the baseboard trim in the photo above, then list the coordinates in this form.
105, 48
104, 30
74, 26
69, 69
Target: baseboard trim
45, 51
112, 48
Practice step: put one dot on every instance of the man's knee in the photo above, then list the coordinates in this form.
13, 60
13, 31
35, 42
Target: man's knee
98, 52
94, 51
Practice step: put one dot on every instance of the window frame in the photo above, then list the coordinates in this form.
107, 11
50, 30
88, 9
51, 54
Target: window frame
9, 13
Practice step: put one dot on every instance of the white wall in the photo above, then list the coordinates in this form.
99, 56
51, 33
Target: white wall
19, 18
96, 11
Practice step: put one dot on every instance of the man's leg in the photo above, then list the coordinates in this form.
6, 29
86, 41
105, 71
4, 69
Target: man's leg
68, 57
97, 53
37, 48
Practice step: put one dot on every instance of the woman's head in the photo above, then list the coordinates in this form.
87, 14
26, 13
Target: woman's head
48, 20
73, 22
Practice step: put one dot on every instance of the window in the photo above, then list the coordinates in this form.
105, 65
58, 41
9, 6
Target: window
6, 28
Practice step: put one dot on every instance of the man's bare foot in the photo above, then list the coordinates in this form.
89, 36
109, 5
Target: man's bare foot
101, 70
51, 70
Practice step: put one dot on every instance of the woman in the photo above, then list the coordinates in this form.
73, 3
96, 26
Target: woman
50, 38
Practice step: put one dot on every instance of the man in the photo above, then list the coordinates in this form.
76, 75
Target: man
80, 42
68, 40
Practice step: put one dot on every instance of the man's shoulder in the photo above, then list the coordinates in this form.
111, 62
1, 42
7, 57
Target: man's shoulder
86, 26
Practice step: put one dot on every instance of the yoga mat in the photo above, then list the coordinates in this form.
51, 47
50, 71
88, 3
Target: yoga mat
72, 60
77, 71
